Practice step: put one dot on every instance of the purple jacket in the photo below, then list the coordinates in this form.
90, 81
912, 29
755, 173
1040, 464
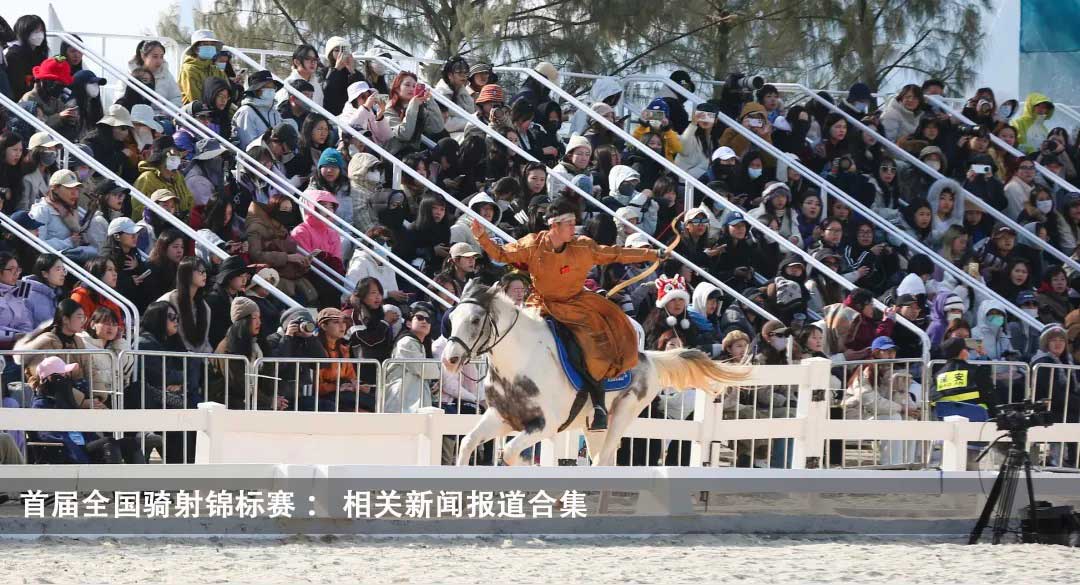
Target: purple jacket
15, 317
939, 322
41, 301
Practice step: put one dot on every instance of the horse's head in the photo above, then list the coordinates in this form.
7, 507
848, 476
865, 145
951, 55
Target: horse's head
474, 325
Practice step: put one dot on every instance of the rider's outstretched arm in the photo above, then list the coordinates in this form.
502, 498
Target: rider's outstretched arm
513, 253
609, 254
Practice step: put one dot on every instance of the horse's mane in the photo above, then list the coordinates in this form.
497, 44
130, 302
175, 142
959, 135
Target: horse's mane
487, 297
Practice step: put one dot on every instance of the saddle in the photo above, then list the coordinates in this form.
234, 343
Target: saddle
572, 360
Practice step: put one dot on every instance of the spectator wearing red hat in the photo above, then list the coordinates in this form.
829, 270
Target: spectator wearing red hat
50, 79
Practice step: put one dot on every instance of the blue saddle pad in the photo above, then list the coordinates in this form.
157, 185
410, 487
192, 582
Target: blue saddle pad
615, 384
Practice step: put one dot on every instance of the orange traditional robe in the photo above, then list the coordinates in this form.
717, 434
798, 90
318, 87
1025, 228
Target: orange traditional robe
608, 340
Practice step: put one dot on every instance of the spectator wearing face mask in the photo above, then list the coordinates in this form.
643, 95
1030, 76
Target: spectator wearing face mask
198, 65
991, 332
256, 113
162, 171
28, 50
86, 92
859, 101
772, 345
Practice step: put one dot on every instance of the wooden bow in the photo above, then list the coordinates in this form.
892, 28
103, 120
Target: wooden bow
656, 264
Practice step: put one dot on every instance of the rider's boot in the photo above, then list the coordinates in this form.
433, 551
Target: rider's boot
596, 393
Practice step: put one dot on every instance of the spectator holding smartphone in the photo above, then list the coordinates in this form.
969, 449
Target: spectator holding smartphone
411, 114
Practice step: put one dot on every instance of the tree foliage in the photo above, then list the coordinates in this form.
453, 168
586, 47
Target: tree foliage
827, 42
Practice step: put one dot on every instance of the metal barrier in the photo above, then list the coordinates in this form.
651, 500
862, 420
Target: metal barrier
1059, 384
131, 313
410, 384
937, 175
318, 384
97, 379
783, 242
243, 158
498, 137
1045, 172
141, 197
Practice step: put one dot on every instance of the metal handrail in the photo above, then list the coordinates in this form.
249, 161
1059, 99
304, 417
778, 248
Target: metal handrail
276, 363
139, 195
471, 117
1013, 151
375, 147
242, 157
907, 239
131, 313
762, 228
379, 150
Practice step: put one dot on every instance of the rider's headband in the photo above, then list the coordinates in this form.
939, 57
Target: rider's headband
561, 218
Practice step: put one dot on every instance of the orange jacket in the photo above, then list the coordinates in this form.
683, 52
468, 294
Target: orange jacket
333, 376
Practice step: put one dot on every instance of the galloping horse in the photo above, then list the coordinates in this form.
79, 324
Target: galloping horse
527, 390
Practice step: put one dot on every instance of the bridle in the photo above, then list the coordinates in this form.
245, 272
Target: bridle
489, 331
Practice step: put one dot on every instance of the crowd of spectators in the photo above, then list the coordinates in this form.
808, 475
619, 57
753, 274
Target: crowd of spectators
191, 301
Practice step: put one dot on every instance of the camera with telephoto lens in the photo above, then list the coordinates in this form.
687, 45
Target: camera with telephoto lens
305, 326
1020, 416
976, 130
738, 89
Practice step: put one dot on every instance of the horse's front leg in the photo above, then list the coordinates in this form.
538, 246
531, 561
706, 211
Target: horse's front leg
533, 434
491, 426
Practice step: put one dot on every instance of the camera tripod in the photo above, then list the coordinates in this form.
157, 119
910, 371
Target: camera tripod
1000, 499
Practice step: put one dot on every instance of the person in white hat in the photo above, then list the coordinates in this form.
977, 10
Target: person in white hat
340, 73
61, 218
631, 214
198, 65
42, 152
578, 157
144, 127
364, 111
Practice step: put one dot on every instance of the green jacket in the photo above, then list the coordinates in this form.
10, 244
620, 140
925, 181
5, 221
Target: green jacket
193, 74
150, 180
1030, 131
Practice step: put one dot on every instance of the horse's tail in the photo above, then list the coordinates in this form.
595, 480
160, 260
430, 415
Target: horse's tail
691, 368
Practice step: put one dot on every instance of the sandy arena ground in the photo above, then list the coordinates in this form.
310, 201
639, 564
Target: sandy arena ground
661, 559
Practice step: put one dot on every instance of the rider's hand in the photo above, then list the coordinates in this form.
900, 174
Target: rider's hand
477, 228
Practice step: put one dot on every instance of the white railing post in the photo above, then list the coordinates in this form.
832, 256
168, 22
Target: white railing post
812, 411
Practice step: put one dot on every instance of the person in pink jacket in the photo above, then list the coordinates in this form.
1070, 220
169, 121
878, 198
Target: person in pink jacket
315, 235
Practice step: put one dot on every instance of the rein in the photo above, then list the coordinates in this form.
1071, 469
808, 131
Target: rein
492, 330
656, 263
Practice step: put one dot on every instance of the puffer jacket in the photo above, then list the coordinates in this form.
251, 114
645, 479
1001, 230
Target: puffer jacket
897, 121
407, 384
362, 191
150, 180
252, 118
996, 341
418, 120
602, 89
194, 72
16, 318
461, 231
101, 367
314, 233
41, 300
618, 175
1031, 131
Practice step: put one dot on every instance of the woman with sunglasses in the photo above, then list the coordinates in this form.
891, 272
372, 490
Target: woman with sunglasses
188, 298
407, 384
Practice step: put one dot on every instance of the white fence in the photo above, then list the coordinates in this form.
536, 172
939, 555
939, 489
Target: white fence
246, 436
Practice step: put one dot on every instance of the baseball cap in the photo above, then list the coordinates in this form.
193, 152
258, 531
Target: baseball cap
695, 213
25, 221
208, 148
64, 178
462, 249
163, 195
270, 275
734, 218
53, 365
637, 240
42, 139
882, 343
724, 153
122, 225
1004, 229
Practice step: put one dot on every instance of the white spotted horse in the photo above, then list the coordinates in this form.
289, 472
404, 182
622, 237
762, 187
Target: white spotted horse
530, 393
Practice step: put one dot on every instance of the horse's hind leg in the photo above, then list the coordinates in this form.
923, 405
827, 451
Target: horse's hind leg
491, 426
622, 413
527, 438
